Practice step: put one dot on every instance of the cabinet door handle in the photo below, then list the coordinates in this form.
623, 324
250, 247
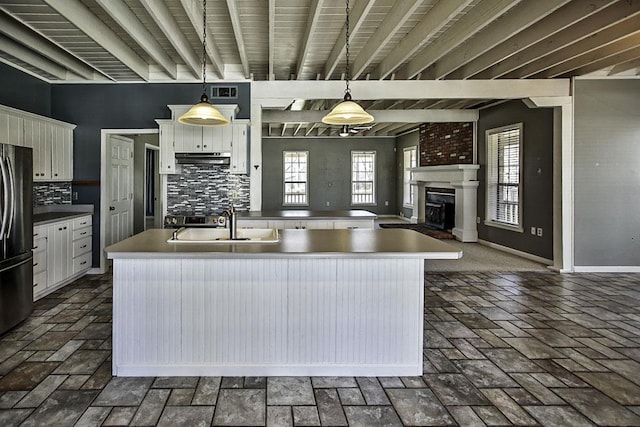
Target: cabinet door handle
82, 247
83, 262
35, 285
65, 228
83, 233
35, 263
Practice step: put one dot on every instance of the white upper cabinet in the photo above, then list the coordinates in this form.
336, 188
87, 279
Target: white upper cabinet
239, 151
167, 149
197, 139
51, 141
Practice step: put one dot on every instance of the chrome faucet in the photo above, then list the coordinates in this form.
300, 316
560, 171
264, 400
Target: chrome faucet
233, 224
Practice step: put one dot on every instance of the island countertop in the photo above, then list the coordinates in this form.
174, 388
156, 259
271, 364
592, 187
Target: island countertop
307, 214
359, 243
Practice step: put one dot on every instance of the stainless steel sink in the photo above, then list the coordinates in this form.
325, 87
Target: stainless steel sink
221, 235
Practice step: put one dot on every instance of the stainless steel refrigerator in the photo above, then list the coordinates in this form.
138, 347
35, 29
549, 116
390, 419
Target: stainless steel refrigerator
16, 235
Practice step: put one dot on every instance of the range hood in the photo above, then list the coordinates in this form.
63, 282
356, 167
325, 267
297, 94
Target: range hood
208, 158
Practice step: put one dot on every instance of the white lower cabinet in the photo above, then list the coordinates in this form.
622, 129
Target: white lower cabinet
61, 253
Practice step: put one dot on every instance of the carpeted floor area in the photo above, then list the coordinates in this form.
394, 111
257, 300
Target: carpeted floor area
421, 228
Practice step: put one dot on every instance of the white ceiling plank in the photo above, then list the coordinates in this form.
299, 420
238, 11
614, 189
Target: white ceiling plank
521, 17
433, 22
382, 116
194, 13
563, 18
78, 14
624, 67
466, 27
43, 46
391, 24
121, 13
312, 22
237, 31
582, 29
163, 18
610, 60
21, 52
573, 56
357, 17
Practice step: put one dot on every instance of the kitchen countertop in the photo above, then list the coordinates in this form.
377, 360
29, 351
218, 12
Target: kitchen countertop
359, 243
51, 217
307, 214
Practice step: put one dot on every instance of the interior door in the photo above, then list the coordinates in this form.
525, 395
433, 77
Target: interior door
120, 191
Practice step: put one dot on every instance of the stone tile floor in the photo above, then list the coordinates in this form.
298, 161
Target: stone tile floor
500, 349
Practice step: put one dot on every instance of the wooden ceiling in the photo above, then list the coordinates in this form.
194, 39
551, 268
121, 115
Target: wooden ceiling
160, 41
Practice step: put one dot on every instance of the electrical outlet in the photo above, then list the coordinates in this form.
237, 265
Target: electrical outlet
75, 195
386, 203
533, 231
477, 220
539, 232
328, 203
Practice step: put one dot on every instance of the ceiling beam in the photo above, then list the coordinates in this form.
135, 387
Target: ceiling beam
609, 59
234, 14
582, 29
26, 36
128, 21
561, 19
392, 23
24, 54
522, 16
430, 25
624, 35
381, 116
312, 21
357, 17
284, 91
167, 23
80, 16
194, 13
465, 28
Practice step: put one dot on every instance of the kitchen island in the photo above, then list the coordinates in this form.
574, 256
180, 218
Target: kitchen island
317, 302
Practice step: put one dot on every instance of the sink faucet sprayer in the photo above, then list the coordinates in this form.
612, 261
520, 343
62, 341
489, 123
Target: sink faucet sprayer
231, 214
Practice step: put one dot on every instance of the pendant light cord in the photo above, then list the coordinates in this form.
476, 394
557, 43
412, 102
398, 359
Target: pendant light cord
348, 70
204, 47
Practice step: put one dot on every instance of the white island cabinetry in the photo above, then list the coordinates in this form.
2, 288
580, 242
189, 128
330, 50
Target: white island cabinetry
318, 302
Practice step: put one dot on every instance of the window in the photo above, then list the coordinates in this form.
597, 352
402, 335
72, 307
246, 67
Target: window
363, 173
410, 161
295, 177
504, 162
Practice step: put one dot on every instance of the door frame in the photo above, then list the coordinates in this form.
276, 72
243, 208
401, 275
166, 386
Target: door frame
104, 205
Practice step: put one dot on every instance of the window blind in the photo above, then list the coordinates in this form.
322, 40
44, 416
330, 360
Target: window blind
503, 175
295, 177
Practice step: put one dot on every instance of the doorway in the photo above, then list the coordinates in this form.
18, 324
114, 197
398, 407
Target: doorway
152, 207
115, 225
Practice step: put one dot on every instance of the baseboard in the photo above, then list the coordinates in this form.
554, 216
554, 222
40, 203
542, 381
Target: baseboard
391, 216
606, 269
516, 252
95, 270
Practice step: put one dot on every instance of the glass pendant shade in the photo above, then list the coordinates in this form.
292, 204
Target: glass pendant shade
203, 114
347, 112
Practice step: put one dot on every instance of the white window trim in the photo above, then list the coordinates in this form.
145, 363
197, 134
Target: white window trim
284, 165
488, 221
409, 204
374, 203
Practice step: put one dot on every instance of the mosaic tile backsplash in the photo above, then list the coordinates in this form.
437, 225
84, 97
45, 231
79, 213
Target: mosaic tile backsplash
206, 190
51, 193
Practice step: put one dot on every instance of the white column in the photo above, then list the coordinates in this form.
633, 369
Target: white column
466, 229
419, 201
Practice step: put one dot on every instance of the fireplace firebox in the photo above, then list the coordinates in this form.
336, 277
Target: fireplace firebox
440, 208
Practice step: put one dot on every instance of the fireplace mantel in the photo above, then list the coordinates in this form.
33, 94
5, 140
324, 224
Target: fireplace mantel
463, 179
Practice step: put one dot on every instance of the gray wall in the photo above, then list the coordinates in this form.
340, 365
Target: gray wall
24, 92
409, 140
537, 177
329, 171
607, 173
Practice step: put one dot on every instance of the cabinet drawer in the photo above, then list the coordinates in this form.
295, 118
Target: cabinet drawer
81, 233
39, 282
83, 222
82, 246
39, 244
82, 263
39, 262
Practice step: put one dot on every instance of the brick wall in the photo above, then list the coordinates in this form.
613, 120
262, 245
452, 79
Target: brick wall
446, 144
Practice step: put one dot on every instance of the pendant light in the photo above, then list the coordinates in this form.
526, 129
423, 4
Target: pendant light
347, 112
203, 113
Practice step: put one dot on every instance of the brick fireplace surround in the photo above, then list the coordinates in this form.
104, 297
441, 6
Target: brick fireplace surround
463, 179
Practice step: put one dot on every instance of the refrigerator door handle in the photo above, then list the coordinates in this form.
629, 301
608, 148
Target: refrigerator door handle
12, 206
4, 219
